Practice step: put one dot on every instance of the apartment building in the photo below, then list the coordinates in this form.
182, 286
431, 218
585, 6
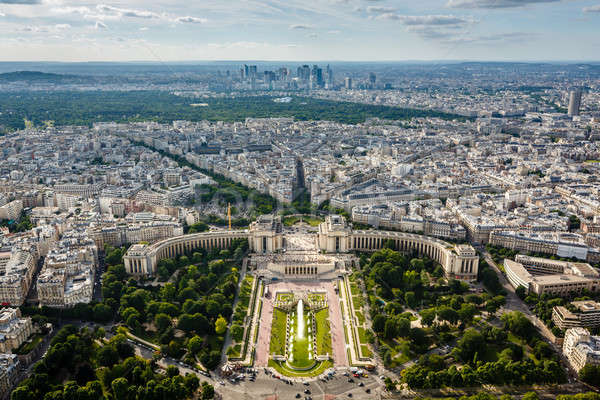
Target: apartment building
586, 315
16, 277
542, 275
14, 330
67, 277
581, 348
12, 210
9, 373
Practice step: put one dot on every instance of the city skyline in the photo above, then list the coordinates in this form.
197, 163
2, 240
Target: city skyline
336, 30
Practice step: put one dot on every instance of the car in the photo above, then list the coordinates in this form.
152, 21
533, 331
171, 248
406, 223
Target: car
346, 374
356, 375
349, 394
306, 391
305, 383
350, 380
361, 384
368, 390
298, 395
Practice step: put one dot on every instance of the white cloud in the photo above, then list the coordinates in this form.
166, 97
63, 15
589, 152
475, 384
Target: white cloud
2, 14
71, 10
494, 3
334, 32
20, 1
190, 20
126, 12
380, 9
46, 28
436, 20
100, 25
301, 26
592, 9
497, 37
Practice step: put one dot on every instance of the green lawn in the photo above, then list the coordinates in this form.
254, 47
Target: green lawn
354, 289
277, 345
323, 332
312, 221
366, 352
284, 297
362, 335
360, 317
358, 302
316, 297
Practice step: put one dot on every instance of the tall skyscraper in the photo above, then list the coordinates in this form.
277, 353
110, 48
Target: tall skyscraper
372, 79
252, 71
348, 82
304, 73
574, 102
317, 76
329, 77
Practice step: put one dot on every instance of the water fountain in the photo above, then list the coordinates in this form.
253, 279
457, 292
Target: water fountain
300, 319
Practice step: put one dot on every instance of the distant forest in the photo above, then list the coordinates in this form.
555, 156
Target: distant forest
87, 107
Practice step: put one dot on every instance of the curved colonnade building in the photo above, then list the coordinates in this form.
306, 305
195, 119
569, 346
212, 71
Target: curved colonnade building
334, 236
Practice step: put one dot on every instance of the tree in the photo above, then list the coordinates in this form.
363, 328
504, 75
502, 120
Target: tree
22, 393
518, 324
471, 343
162, 322
427, 316
195, 344
220, 325
107, 356
102, 313
410, 299
172, 371
390, 330
530, 396
521, 292
402, 327
208, 391
379, 323
192, 383
590, 374
211, 360
467, 312
119, 387
446, 313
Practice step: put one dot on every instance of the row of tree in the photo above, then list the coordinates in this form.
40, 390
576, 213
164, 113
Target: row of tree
79, 366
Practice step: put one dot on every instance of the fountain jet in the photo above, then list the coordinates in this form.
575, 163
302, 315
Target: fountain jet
300, 321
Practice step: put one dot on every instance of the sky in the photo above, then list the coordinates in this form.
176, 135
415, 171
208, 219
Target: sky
295, 30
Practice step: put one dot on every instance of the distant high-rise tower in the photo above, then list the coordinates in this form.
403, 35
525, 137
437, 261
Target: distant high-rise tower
348, 82
252, 71
304, 73
574, 102
316, 76
329, 73
372, 79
